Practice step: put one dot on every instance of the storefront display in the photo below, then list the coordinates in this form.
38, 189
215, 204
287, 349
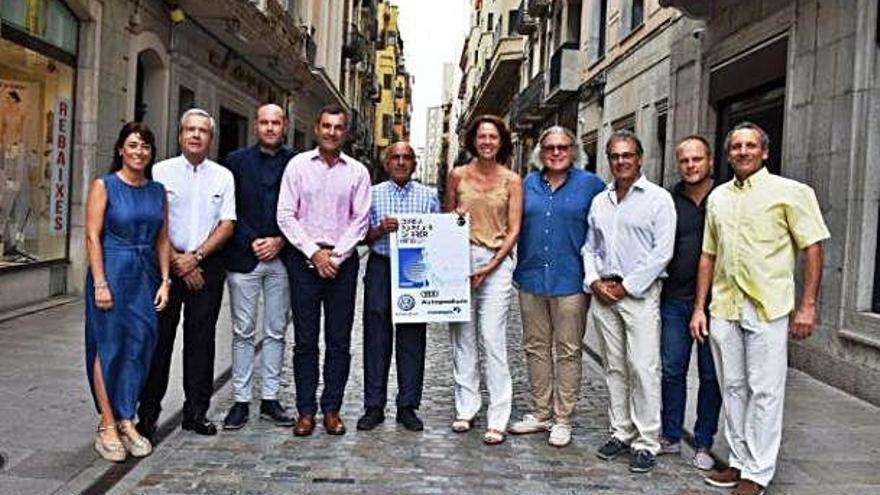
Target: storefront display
36, 130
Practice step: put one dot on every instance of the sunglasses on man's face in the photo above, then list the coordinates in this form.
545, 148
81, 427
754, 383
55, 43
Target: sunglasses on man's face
550, 148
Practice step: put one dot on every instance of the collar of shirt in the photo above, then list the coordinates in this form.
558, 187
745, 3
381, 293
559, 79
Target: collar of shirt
678, 190
315, 155
402, 191
640, 184
194, 167
751, 181
545, 183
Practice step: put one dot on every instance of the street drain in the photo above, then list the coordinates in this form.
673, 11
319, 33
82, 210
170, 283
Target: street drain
337, 481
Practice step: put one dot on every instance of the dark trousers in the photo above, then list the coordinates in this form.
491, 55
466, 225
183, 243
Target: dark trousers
309, 293
675, 357
200, 311
409, 342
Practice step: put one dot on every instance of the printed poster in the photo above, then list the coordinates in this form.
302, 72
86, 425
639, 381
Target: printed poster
430, 269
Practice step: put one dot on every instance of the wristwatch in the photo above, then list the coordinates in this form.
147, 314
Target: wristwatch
199, 255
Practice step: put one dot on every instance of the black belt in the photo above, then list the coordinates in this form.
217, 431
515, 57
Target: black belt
612, 278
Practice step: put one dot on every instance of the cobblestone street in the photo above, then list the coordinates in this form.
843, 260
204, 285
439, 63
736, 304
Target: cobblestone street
262, 458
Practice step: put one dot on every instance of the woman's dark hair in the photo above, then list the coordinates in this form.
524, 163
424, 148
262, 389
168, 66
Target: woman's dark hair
146, 134
470, 137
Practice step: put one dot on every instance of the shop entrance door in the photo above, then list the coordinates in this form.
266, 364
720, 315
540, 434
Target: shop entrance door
233, 133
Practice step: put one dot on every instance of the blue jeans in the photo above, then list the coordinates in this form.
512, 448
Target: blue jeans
675, 354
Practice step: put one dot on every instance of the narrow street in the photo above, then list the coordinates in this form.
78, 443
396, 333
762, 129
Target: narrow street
262, 458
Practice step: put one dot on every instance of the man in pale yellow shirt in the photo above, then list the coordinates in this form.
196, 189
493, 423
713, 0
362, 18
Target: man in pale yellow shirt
755, 224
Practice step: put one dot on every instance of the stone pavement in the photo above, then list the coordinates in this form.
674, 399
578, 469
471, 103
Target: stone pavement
47, 418
830, 444
264, 459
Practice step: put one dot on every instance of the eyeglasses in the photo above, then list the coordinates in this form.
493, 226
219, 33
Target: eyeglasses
402, 157
616, 157
550, 148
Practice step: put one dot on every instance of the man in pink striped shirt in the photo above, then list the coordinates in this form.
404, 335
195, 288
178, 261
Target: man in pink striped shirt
323, 210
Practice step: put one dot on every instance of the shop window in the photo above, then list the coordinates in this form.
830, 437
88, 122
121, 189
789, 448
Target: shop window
36, 140
50, 21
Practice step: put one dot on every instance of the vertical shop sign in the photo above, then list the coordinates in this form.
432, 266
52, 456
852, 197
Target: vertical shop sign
60, 165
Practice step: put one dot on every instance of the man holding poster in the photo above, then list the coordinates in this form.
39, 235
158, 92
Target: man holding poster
398, 195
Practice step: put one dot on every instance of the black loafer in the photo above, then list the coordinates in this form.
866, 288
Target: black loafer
237, 417
371, 418
407, 417
272, 410
200, 427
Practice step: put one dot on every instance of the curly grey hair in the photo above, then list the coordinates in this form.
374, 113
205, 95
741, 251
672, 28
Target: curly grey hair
578, 158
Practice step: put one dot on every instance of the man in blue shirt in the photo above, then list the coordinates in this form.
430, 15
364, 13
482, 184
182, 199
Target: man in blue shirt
549, 272
399, 194
253, 262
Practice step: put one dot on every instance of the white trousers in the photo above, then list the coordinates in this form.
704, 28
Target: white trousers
751, 359
270, 280
629, 331
486, 334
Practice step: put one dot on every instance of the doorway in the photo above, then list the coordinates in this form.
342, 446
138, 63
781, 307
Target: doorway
233, 133
751, 87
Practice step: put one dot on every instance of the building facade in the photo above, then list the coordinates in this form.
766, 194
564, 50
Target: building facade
73, 71
429, 166
807, 71
394, 103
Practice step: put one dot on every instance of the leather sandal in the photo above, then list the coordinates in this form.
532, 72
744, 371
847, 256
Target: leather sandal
493, 437
461, 425
111, 450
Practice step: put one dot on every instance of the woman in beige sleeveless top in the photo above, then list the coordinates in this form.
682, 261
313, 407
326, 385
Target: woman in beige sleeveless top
491, 194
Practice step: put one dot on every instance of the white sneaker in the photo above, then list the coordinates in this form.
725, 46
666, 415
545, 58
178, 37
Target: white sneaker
529, 424
702, 460
560, 435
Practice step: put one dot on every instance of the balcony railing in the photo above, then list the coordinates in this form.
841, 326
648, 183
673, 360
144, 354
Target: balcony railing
309, 47
539, 8
355, 46
565, 70
527, 104
525, 23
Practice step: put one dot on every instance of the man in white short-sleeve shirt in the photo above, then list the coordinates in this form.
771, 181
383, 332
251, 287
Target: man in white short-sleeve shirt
201, 217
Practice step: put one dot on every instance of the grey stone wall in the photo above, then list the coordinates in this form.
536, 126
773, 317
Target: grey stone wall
830, 129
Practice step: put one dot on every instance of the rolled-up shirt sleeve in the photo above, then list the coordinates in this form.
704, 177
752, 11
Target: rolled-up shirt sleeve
227, 209
288, 207
654, 262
